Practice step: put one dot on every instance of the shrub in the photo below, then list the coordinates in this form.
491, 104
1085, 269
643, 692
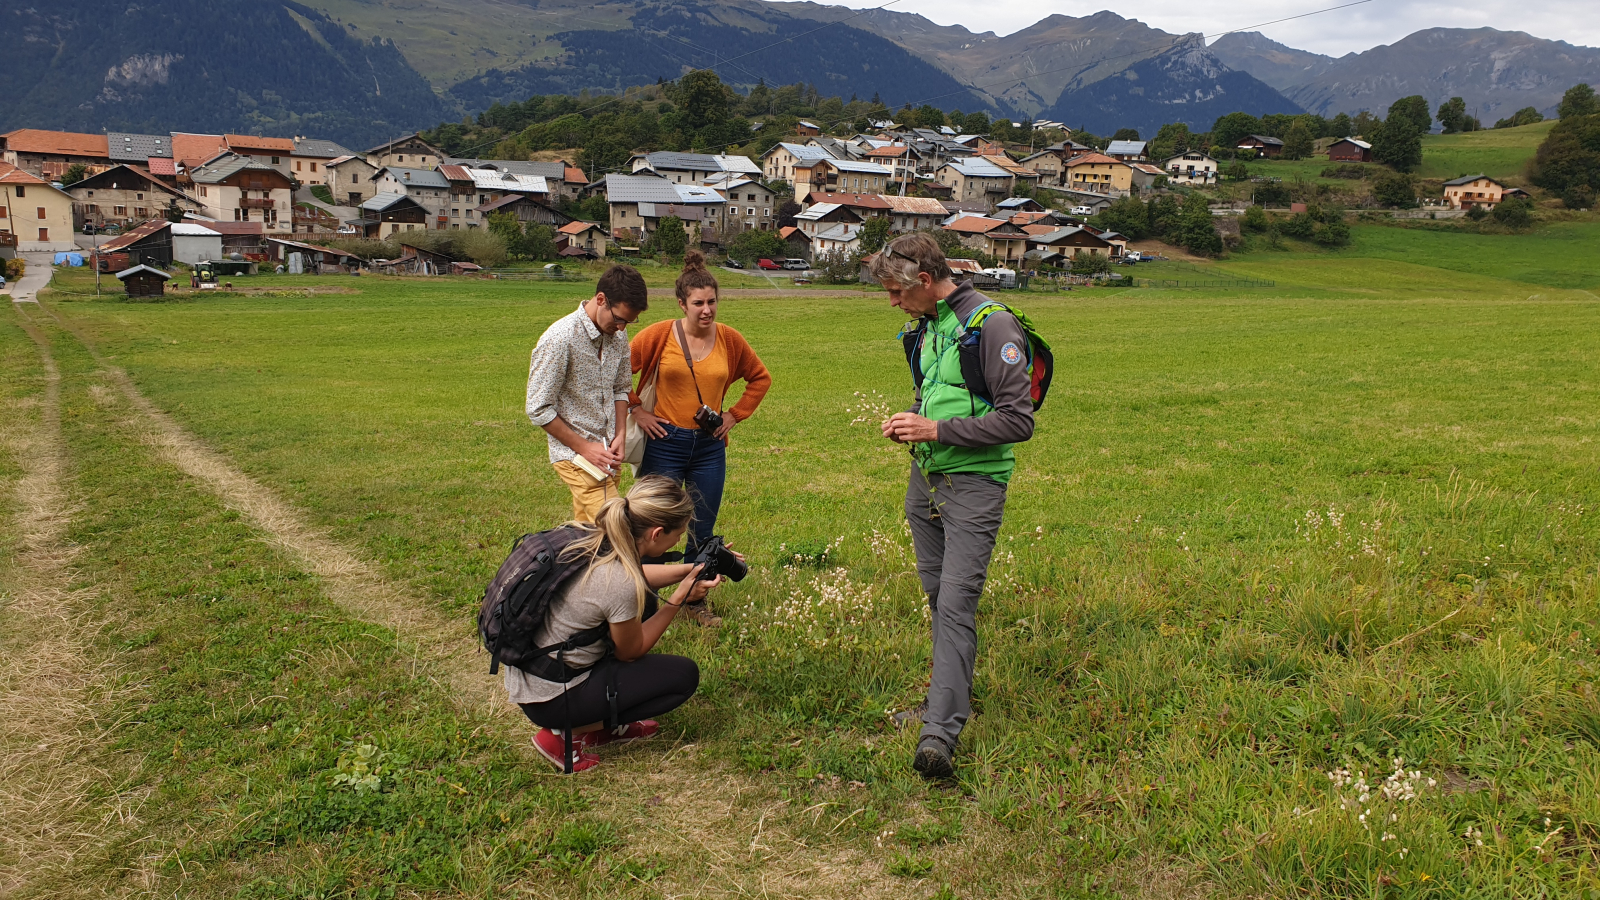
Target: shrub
1396, 190
1579, 197
1514, 213
1236, 171
1126, 216
1333, 234
874, 234
1090, 263
366, 248
1477, 214
838, 267
1300, 225
1271, 194
669, 237
1255, 219
748, 246
1351, 171
1197, 228
1527, 115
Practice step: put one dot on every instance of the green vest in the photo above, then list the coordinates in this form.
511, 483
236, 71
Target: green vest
944, 396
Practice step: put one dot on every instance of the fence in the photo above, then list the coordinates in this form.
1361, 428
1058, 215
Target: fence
1211, 283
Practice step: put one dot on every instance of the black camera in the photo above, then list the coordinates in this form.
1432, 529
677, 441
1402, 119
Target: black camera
708, 419
718, 560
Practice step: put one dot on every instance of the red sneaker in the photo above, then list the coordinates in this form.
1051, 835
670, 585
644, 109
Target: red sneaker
622, 734
552, 746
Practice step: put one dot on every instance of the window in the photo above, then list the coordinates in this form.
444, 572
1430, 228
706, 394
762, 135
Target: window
455, 213
115, 211
767, 211
297, 165
22, 191
202, 190
91, 194
400, 158
43, 214
44, 234
140, 212
313, 167
138, 196
3, 211
274, 160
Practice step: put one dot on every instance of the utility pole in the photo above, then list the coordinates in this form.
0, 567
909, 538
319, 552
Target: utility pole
97, 230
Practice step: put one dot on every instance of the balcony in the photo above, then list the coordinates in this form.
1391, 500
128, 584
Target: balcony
257, 203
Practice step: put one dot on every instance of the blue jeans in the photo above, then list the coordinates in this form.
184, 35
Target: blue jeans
699, 462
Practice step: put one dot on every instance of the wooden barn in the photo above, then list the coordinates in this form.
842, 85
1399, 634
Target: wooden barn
144, 281
1350, 150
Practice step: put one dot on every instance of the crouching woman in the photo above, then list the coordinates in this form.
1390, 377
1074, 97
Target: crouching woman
625, 679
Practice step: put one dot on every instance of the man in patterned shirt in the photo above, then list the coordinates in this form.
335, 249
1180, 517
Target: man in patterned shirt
578, 385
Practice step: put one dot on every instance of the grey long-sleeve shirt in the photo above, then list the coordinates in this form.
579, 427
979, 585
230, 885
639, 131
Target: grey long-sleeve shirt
1011, 420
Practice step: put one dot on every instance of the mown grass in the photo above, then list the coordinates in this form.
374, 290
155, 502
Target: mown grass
1258, 536
1496, 152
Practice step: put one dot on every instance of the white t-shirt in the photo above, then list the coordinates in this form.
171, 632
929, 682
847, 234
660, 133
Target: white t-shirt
603, 594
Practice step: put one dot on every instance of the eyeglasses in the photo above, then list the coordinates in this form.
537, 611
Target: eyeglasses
611, 311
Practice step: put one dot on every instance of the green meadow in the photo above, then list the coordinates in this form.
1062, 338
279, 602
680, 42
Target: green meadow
1264, 543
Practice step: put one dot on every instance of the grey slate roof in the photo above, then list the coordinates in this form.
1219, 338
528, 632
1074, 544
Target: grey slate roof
640, 189
978, 168
225, 166
124, 147
1468, 179
418, 177
319, 148
381, 202
1127, 148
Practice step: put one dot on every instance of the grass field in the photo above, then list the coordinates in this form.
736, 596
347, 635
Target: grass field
1497, 152
1260, 536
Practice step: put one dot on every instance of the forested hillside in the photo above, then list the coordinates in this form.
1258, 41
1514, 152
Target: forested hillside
255, 66
665, 41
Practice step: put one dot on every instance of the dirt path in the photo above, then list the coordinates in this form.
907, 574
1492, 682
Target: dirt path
721, 833
51, 687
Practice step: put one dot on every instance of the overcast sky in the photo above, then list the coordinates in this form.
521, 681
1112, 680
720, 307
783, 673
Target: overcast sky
1334, 33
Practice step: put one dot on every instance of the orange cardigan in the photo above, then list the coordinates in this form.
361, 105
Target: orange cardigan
744, 365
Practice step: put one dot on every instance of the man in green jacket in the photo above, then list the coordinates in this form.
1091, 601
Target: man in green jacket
961, 463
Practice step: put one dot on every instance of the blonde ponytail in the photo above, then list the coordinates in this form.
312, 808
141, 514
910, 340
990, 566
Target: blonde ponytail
654, 501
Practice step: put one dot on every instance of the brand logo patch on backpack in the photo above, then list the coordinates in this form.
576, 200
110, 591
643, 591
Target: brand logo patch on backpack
1011, 354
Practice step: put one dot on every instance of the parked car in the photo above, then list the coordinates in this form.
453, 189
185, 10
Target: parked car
768, 265
734, 263
1083, 210
796, 264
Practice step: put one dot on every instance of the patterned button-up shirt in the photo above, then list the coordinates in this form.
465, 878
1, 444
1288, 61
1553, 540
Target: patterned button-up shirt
578, 373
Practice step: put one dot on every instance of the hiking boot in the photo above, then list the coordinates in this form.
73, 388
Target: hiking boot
552, 746
933, 759
912, 716
701, 614
622, 734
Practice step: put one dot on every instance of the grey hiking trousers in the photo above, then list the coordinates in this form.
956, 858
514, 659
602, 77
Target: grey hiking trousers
954, 522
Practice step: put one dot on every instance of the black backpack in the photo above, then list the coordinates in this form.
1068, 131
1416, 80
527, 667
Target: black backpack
516, 605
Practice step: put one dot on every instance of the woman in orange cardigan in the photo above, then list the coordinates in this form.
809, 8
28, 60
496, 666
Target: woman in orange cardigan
686, 444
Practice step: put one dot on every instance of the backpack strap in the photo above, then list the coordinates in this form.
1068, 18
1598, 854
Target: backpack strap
911, 337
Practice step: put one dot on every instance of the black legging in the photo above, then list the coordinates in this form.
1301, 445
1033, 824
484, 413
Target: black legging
647, 687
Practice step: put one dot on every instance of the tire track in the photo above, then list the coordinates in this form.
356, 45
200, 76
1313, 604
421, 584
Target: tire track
730, 835
52, 689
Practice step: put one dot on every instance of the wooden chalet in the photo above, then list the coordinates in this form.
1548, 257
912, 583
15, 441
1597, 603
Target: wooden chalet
144, 281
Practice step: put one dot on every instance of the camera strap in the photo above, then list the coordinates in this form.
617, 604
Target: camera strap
688, 357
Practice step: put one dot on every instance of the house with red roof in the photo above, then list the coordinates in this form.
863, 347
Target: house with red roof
587, 239
996, 237
35, 212
49, 154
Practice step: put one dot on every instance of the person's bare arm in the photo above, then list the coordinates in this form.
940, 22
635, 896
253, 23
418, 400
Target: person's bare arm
594, 451
619, 442
634, 639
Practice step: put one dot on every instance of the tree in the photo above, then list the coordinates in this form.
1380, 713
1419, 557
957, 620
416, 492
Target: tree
1163, 214
1341, 126
1397, 190
1452, 115
749, 246
1236, 171
1514, 213
1232, 128
1126, 134
874, 234
705, 104
670, 238
1579, 100
1398, 143
1569, 157
1090, 263
1297, 141
75, 173
1197, 230
1413, 109
1524, 116
539, 241
508, 228
1126, 216
1365, 123
787, 210
1173, 138
1255, 219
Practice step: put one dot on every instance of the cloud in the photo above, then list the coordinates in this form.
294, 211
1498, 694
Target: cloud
1335, 33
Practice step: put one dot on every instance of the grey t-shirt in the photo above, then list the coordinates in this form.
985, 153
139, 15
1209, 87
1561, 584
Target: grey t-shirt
603, 594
